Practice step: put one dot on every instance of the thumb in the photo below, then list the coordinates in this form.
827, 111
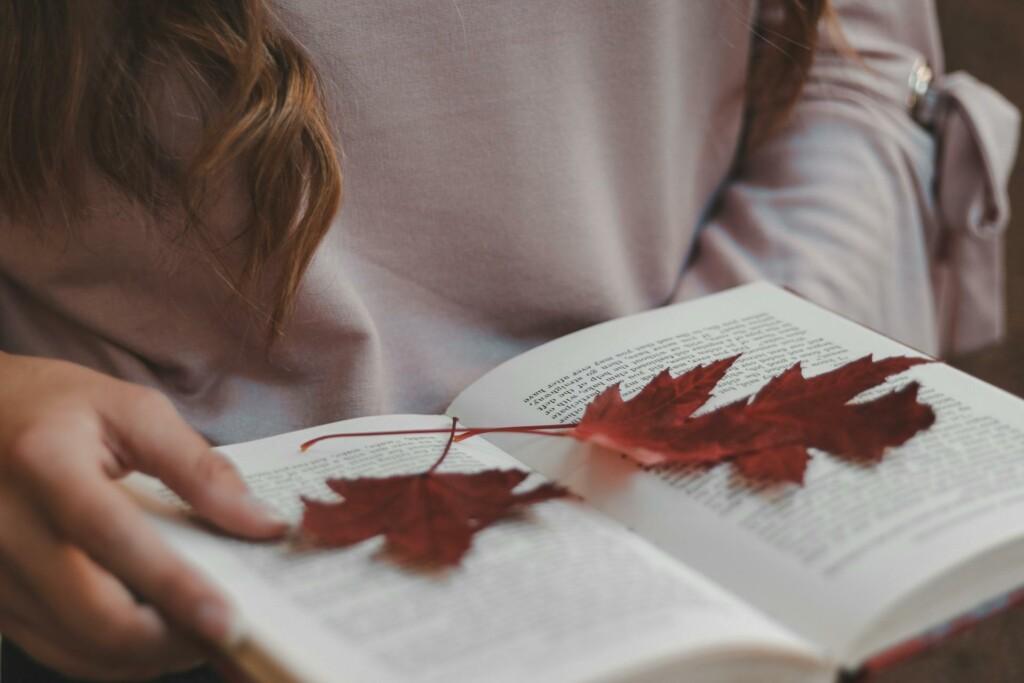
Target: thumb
152, 437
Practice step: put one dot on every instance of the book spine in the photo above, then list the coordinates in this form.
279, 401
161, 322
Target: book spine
934, 636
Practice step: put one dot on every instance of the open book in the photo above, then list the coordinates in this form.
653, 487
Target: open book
653, 575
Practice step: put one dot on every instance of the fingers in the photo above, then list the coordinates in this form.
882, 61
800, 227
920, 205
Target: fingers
152, 437
53, 593
99, 517
41, 646
66, 530
78, 655
19, 602
111, 529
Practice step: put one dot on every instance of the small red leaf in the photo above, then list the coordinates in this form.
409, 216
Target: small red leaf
768, 435
427, 518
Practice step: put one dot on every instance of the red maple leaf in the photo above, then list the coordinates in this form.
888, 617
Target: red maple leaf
767, 435
432, 517
427, 518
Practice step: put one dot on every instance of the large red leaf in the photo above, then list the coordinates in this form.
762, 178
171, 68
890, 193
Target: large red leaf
664, 401
427, 518
767, 436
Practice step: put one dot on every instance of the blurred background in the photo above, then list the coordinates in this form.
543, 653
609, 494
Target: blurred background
986, 38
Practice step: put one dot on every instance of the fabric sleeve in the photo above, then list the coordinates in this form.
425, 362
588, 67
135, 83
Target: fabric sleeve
857, 206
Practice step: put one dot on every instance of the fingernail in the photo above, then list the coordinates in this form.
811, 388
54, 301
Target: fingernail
219, 624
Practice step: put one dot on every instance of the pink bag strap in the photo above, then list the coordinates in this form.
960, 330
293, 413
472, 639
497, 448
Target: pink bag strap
976, 131
977, 134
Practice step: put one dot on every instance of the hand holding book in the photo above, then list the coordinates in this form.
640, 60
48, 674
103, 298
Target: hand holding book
666, 572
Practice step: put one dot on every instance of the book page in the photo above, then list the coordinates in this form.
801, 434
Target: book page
557, 593
828, 558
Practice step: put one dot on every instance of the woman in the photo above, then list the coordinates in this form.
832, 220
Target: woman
174, 264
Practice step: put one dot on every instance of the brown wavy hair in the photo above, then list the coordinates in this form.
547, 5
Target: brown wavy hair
785, 38
75, 92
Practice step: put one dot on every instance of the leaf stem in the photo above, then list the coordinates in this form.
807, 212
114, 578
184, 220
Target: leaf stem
466, 432
447, 446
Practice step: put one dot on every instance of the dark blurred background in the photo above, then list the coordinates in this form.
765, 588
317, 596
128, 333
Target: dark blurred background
986, 38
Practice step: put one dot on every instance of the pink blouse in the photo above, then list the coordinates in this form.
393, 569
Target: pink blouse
517, 170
